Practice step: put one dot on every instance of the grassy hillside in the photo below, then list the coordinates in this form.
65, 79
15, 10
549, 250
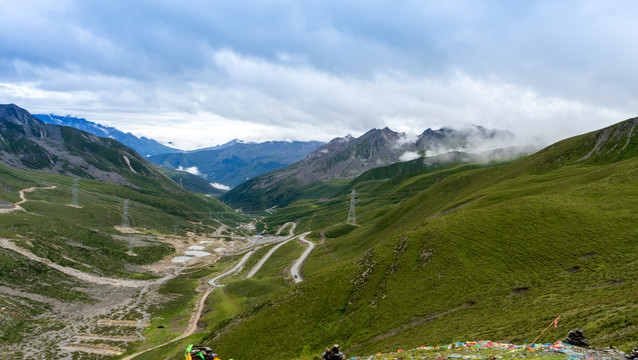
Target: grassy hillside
84, 238
494, 252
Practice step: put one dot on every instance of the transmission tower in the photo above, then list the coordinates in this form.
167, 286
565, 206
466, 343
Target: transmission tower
352, 217
75, 192
125, 222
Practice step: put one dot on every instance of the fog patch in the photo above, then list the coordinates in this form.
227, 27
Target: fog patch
220, 186
191, 170
409, 155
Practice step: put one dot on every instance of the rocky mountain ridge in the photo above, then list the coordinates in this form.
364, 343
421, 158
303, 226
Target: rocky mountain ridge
348, 157
235, 162
28, 143
144, 146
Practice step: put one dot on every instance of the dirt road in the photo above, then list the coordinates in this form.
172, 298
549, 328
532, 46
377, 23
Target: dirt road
16, 206
8, 244
197, 313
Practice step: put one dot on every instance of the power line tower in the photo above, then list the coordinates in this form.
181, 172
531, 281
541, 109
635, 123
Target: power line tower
125, 222
352, 217
75, 192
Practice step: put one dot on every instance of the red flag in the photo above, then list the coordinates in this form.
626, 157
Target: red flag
556, 321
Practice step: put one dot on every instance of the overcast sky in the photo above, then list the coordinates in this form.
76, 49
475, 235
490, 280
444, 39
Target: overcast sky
200, 73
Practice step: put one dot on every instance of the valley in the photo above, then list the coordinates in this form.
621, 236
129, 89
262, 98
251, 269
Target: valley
440, 249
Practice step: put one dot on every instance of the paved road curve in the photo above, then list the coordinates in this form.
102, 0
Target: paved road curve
294, 225
213, 282
294, 270
262, 261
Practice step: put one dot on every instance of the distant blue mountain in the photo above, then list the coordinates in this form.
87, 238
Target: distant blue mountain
232, 163
223, 165
144, 146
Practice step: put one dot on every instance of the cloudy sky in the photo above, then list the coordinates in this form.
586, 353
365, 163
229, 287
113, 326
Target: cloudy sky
200, 73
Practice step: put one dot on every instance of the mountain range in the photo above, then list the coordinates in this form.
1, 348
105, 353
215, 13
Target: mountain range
348, 157
144, 146
235, 162
446, 245
225, 165
28, 143
453, 253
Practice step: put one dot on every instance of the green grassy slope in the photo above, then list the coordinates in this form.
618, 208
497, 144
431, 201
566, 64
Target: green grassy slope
494, 252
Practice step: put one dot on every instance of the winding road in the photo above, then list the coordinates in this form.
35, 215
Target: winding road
219, 230
294, 270
197, 312
292, 233
213, 282
262, 261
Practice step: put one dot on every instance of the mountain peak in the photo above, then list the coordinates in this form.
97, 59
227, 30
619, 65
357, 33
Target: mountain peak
143, 145
29, 143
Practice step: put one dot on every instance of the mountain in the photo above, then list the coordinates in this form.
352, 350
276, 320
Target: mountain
468, 251
235, 162
144, 146
191, 182
28, 143
88, 232
348, 157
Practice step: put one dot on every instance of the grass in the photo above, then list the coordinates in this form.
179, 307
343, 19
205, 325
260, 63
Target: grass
483, 252
83, 238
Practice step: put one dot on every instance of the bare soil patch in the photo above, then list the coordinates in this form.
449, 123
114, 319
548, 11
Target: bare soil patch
100, 349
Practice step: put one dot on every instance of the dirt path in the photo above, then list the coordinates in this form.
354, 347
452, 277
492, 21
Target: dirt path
8, 244
32, 189
16, 206
107, 338
100, 349
190, 329
197, 313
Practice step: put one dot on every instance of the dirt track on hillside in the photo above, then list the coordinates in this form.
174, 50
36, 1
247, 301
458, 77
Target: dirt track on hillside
16, 206
8, 244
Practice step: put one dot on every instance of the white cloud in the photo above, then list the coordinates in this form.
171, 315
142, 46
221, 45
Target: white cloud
316, 71
409, 155
220, 186
191, 170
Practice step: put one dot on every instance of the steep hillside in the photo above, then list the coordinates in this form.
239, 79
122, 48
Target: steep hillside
235, 162
348, 157
79, 252
28, 143
144, 146
484, 253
